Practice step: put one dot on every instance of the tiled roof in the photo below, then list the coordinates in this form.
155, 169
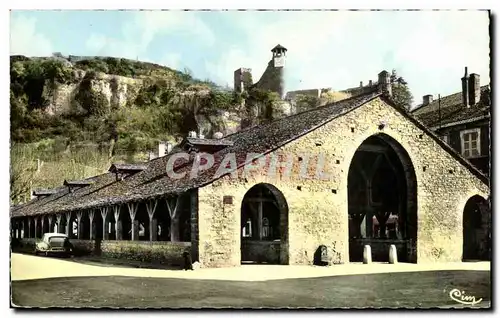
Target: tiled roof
279, 47
154, 181
451, 109
54, 203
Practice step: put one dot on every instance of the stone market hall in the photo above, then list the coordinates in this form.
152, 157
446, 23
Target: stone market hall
389, 181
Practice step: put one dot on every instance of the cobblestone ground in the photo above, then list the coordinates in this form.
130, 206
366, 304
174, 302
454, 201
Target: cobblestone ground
35, 283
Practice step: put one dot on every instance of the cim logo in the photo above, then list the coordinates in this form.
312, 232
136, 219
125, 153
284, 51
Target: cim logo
460, 297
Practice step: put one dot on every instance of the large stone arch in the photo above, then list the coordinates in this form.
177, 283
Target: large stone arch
264, 225
475, 229
382, 199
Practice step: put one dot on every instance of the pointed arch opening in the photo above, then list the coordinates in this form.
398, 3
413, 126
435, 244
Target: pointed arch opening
382, 200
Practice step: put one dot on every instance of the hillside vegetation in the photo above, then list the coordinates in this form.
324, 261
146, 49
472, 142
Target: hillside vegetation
71, 118
111, 109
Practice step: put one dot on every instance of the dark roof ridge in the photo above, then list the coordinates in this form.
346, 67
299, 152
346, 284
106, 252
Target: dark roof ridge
374, 91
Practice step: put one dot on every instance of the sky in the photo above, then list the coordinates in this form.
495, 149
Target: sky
335, 49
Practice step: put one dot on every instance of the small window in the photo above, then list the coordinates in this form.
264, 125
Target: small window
471, 146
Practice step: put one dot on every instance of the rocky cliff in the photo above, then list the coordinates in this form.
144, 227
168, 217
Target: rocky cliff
116, 90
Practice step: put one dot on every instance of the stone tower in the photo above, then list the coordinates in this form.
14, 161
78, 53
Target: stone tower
242, 79
273, 77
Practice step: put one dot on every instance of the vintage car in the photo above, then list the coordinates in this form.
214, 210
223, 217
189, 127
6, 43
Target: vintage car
54, 243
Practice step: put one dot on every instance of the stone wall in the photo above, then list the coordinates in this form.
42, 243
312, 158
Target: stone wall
168, 253
318, 208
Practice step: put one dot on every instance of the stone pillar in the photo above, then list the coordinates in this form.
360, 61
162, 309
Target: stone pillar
195, 236
105, 225
43, 224
19, 229
118, 222
59, 223
91, 225
135, 230
105, 233
119, 230
132, 209
36, 227
50, 223
68, 224
153, 233
29, 227
173, 209
259, 220
153, 224
79, 225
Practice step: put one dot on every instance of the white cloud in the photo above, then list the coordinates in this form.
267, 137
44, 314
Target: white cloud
340, 49
172, 60
24, 39
140, 31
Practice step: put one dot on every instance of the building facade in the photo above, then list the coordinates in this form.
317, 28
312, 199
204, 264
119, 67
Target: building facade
462, 120
357, 172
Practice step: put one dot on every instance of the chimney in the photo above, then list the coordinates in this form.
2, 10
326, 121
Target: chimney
465, 89
370, 83
384, 83
427, 99
474, 89
161, 149
361, 84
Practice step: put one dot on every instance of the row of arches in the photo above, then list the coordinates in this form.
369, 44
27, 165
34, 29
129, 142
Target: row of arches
382, 211
155, 220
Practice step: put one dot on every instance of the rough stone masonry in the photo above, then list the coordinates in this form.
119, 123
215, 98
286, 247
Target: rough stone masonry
318, 209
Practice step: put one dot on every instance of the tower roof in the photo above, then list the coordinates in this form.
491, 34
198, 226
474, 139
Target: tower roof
279, 47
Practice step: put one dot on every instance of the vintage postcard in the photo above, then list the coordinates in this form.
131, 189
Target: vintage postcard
250, 159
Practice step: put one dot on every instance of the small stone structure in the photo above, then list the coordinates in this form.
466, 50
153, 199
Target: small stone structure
367, 254
393, 254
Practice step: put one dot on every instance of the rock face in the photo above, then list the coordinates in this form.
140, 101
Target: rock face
119, 91
116, 89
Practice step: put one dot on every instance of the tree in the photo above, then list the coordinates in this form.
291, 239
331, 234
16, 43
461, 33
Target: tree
306, 102
21, 175
401, 94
